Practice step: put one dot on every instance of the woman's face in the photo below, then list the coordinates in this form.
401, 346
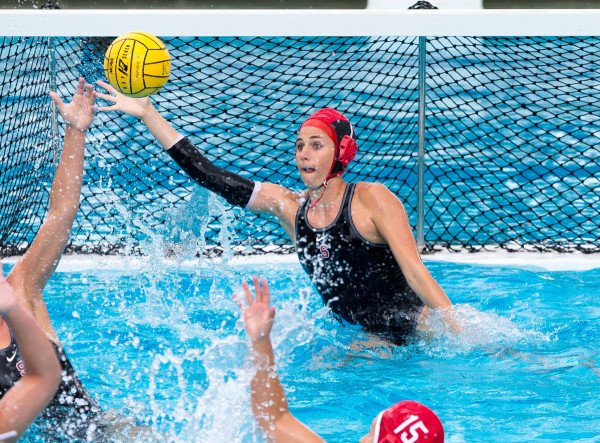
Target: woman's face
369, 437
314, 156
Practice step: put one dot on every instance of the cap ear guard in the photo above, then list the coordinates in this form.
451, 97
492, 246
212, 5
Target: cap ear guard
348, 149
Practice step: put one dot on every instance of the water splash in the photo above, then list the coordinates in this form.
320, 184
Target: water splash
483, 331
220, 397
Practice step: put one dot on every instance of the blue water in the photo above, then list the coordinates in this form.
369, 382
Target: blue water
162, 344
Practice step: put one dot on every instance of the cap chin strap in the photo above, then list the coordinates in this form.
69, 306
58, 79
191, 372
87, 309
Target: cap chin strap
324, 186
329, 176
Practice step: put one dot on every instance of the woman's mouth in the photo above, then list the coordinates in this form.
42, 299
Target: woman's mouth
308, 170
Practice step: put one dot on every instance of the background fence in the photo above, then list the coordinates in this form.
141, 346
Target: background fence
510, 142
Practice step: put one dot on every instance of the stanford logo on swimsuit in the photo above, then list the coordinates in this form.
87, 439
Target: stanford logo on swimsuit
21, 367
323, 247
324, 251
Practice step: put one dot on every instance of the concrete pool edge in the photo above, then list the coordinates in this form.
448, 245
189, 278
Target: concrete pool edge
547, 261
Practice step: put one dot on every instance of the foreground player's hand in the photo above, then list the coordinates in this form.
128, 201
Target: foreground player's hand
80, 112
258, 315
129, 105
8, 298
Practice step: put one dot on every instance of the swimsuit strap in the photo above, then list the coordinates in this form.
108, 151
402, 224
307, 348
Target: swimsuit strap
347, 200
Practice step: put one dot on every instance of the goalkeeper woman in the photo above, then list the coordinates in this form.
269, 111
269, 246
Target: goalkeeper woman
353, 239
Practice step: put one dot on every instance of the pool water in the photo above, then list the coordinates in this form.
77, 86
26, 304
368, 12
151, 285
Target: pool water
161, 343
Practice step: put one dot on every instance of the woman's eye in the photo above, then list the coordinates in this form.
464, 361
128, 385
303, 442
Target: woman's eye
317, 145
299, 147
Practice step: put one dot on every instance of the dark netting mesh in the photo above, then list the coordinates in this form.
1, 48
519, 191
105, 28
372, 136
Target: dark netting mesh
511, 138
242, 101
26, 151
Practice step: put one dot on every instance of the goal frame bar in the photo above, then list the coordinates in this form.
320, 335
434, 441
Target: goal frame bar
293, 23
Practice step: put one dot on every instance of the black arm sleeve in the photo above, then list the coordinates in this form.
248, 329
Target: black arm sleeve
234, 188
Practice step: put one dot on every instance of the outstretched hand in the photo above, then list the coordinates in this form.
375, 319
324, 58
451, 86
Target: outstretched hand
258, 315
129, 105
80, 112
8, 297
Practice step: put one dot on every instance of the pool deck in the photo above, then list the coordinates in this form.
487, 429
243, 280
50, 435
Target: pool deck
548, 261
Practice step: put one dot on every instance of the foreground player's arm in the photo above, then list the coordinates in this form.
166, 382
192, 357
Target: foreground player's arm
269, 403
31, 273
264, 198
25, 400
390, 219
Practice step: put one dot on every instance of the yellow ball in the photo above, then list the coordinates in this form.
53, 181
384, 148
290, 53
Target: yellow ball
137, 64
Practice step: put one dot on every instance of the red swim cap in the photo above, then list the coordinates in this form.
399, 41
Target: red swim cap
339, 129
408, 421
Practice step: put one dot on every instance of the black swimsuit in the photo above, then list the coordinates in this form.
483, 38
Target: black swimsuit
72, 403
11, 366
360, 281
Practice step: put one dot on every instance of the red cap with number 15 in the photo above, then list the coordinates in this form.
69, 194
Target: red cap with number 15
408, 422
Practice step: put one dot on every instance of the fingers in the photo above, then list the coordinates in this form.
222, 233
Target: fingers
56, 99
89, 94
246, 289
91, 99
106, 108
262, 295
106, 86
84, 91
257, 289
107, 97
265, 291
80, 86
110, 97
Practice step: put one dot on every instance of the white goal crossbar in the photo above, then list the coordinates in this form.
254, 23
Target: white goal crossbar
236, 23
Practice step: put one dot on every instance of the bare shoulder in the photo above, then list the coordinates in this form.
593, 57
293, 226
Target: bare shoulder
372, 188
375, 196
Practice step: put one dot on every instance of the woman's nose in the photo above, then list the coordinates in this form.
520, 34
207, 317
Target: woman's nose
304, 154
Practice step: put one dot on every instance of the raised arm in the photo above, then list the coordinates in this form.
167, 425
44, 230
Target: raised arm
269, 403
26, 399
31, 273
264, 198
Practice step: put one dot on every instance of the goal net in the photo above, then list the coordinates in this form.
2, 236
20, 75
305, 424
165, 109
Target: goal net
510, 142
